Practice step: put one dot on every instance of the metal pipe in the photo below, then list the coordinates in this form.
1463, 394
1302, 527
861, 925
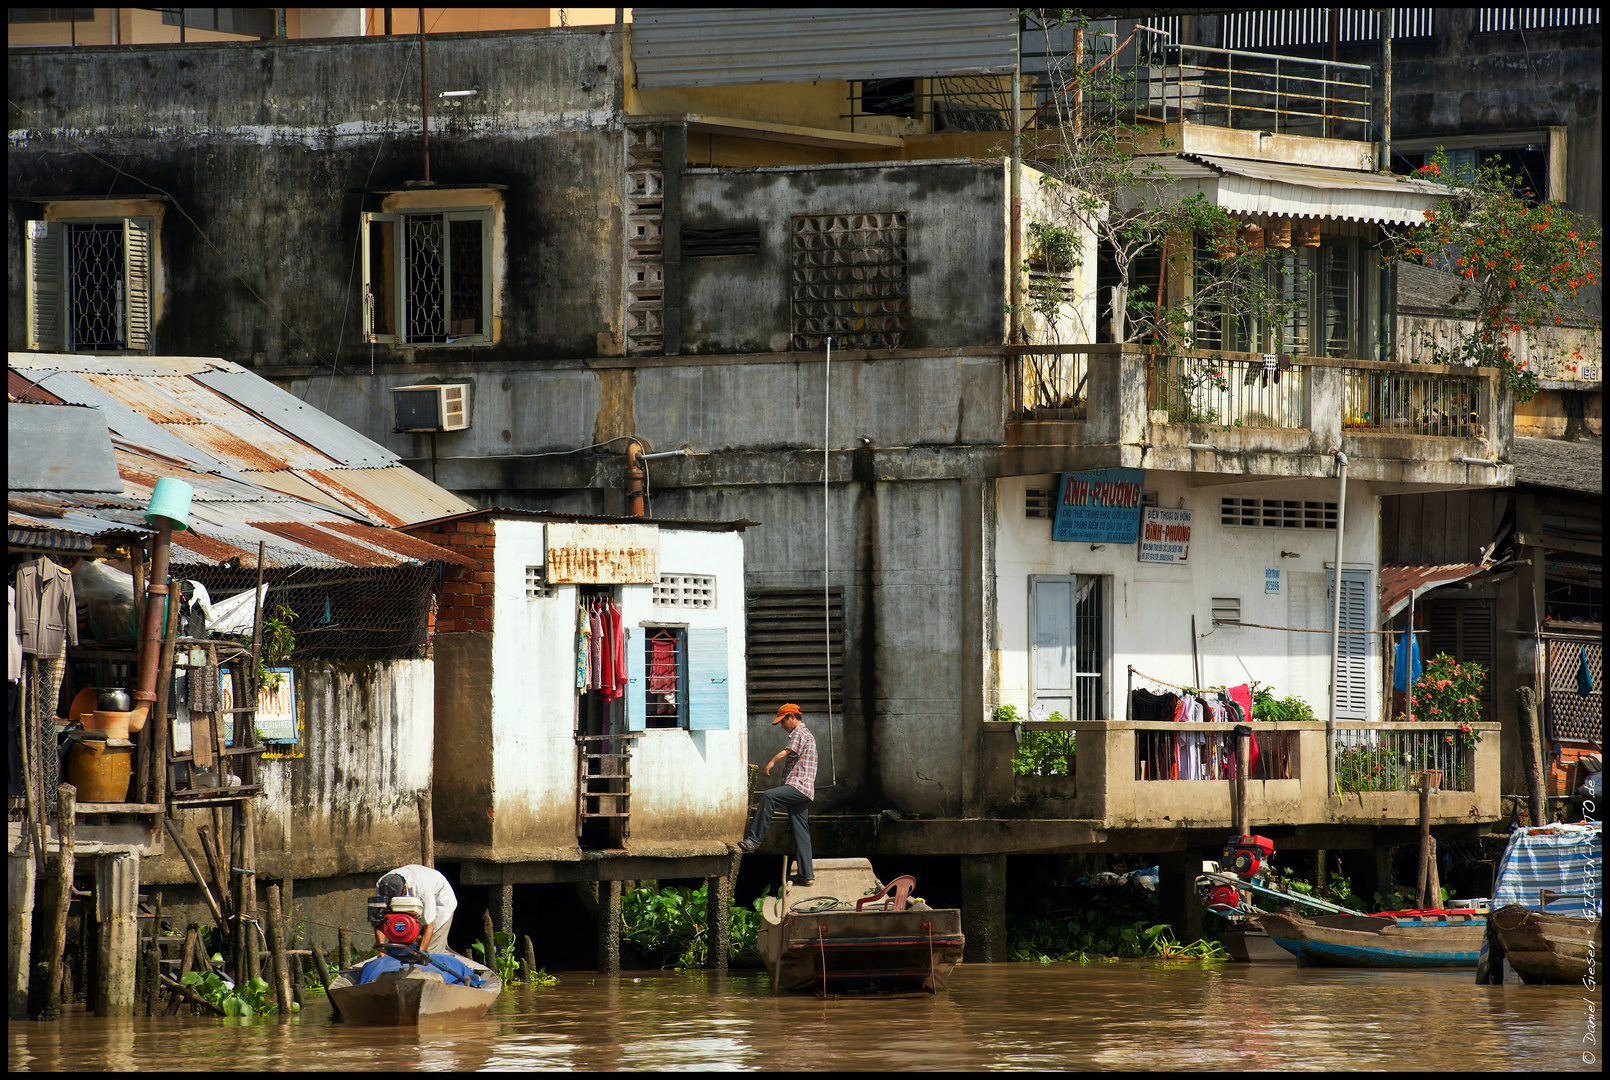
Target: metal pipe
1386, 90
1336, 624
1017, 193
634, 479
424, 94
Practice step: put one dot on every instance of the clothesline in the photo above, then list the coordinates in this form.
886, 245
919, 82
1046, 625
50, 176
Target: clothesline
1252, 683
1308, 630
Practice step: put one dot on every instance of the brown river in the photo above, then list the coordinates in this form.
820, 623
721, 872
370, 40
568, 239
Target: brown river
1133, 1015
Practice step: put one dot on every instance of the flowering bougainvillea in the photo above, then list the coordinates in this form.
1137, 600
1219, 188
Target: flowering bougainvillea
1449, 692
1521, 265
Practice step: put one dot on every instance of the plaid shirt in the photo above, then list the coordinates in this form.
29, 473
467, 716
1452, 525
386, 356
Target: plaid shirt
801, 775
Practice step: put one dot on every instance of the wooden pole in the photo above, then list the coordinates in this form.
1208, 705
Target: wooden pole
343, 948
276, 947
248, 880
216, 865
530, 959
191, 996
195, 872
1531, 755
66, 830
1422, 879
1434, 886
153, 958
1243, 765
427, 833
491, 958
298, 976
142, 741
321, 968
157, 721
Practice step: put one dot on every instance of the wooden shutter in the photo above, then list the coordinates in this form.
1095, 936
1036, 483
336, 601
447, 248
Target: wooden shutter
381, 289
1464, 630
636, 684
1353, 663
707, 679
47, 294
139, 250
1051, 662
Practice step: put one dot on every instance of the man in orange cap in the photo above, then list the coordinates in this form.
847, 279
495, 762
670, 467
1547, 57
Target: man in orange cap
796, 792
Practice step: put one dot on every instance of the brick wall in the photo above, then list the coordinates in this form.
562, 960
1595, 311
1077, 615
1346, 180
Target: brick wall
1564, 774
464, 600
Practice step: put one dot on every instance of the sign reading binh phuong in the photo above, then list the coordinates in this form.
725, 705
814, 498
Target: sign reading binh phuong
1165, 535
1102, 507
603, 554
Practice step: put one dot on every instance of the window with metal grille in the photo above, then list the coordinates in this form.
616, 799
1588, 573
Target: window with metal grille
428, 277
685, 590
1289, 279
1226, 611
536, 583
1277, 513
89, 285
1464, 629
849, 281
789, 641
1068, 646
713, 243
665, 667
1573, 592
1572, 715
889, 97
1496, 20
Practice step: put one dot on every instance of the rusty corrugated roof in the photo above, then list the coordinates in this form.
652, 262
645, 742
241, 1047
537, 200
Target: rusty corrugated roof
1397, 582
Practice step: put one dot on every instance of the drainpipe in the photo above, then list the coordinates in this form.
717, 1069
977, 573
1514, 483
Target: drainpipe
634, 479
424, 95
1336, 623
1017, 193
1386, 90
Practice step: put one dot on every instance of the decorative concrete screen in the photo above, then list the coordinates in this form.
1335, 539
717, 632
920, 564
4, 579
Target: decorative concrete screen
849, 281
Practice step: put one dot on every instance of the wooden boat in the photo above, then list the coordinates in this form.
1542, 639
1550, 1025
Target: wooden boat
1547, 948
1251, 944
850, 932
1394, 939
414, 994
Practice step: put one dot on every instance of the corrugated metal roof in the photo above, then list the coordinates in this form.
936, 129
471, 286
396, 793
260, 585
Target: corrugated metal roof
1397, 582
258, 395
393, 496
505, 513
1270, 187
734, 46
58, 446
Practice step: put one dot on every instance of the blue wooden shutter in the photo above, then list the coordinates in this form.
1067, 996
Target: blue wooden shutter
636, 684
707, 679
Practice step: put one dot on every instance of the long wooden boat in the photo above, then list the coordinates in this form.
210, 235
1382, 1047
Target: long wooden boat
1253, 945
414, 994
1547, 948
815, 938
1403, 939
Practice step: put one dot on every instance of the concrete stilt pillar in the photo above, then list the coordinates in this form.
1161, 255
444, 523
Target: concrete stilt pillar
717, 905
19, 931
1177, 902
117, 889
609, 928
984, 908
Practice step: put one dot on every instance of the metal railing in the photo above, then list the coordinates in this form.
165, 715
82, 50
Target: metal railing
1407, 402
1257, 91
1233, 389
1051, 385
1392, 757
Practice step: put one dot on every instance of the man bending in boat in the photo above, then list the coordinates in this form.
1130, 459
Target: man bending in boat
796, 792
434, 891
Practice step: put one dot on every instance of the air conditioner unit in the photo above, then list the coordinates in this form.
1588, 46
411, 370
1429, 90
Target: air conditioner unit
431, 407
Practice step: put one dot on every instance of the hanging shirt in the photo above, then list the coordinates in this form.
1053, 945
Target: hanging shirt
600, 645
13, 643
584, 634
615, 681
662, 666
45, 608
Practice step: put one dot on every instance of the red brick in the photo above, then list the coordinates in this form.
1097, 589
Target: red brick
483, 577
484, 528
484, 601
480, 624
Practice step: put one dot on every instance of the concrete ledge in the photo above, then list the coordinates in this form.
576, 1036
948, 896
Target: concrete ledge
596, 867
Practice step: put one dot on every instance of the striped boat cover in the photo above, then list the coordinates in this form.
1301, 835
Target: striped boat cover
1564, 858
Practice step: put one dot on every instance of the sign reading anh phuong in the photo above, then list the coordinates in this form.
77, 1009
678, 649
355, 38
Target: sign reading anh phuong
1102, 507
603, 554
1165, 535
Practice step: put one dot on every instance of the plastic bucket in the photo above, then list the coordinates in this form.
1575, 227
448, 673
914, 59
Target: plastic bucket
171, 499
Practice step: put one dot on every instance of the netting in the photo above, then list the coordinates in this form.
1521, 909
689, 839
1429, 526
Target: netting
358, 614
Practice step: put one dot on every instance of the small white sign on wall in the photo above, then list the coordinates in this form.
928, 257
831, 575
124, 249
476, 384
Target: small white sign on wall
1271, 579
1165, 535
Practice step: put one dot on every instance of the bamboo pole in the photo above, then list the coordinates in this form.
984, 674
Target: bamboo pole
157, 724
276, 946
66, 830
1421, 879
321, 968
248, 880
195, 872
216, 866
153, 958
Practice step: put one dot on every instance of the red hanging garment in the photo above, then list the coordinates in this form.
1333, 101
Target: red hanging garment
618, 653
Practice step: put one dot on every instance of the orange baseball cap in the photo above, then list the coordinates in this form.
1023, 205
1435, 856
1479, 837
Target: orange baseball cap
784, 711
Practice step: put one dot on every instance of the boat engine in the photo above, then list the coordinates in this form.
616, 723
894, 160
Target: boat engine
397, 919
1248, 856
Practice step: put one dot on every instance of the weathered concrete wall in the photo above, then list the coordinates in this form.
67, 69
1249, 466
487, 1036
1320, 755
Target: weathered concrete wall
348, 803
956, 239
463, 779
269, 171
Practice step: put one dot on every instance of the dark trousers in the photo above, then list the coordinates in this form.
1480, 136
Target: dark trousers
799, 820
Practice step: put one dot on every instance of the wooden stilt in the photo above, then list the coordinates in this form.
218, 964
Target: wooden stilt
66, 829
343, 948
276, 948
153, 961
530, 959
195, 872
321, 968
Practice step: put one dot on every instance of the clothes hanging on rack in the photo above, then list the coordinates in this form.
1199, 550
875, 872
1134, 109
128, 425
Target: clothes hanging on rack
46, 615
617, 681
595, 670
584, 635
662, 666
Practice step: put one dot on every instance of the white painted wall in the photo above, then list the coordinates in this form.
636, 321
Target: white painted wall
1150, 605
686, 785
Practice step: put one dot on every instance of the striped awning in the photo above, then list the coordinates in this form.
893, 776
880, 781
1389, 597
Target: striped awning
1276, 189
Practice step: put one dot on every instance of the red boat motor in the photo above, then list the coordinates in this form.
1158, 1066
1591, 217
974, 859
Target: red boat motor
397, 919
1248, 856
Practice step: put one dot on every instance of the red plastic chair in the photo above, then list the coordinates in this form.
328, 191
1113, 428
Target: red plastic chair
901, 888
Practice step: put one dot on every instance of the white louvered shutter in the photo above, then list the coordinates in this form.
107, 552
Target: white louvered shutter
139, 251
1353, 685
47, 294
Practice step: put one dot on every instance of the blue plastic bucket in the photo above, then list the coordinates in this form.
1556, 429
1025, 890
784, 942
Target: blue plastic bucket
171, 500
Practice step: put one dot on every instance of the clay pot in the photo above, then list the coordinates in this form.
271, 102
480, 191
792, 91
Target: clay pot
115, 724
101, 770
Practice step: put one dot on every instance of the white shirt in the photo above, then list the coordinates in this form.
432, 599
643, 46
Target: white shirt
432, 889
13, 643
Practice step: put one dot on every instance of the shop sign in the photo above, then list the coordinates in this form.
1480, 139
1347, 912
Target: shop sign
1271, 579
603, 554
1165, 535
1102, 506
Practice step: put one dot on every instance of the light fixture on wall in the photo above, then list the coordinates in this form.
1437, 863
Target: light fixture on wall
1201, 446
458, 93
1290, 555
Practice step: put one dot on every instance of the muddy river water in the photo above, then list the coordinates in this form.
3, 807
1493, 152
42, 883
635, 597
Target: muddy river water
1127, 1015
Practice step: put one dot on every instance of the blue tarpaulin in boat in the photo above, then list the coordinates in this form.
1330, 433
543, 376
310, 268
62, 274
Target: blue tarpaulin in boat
1561, 858
381, 964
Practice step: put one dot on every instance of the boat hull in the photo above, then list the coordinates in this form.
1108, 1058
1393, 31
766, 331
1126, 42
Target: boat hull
847, 951
410, 997
1252, 945
1330, 941
1545, 948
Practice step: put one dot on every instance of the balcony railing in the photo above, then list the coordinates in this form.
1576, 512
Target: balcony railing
1411, 402
1393, 757
1237, 390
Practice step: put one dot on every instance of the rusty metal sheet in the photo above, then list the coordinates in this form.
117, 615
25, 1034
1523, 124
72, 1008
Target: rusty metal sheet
145, 398
1397, 582
242, 451
328, 543
407, 546
603, 554
267, 440
392, 496
210, 550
